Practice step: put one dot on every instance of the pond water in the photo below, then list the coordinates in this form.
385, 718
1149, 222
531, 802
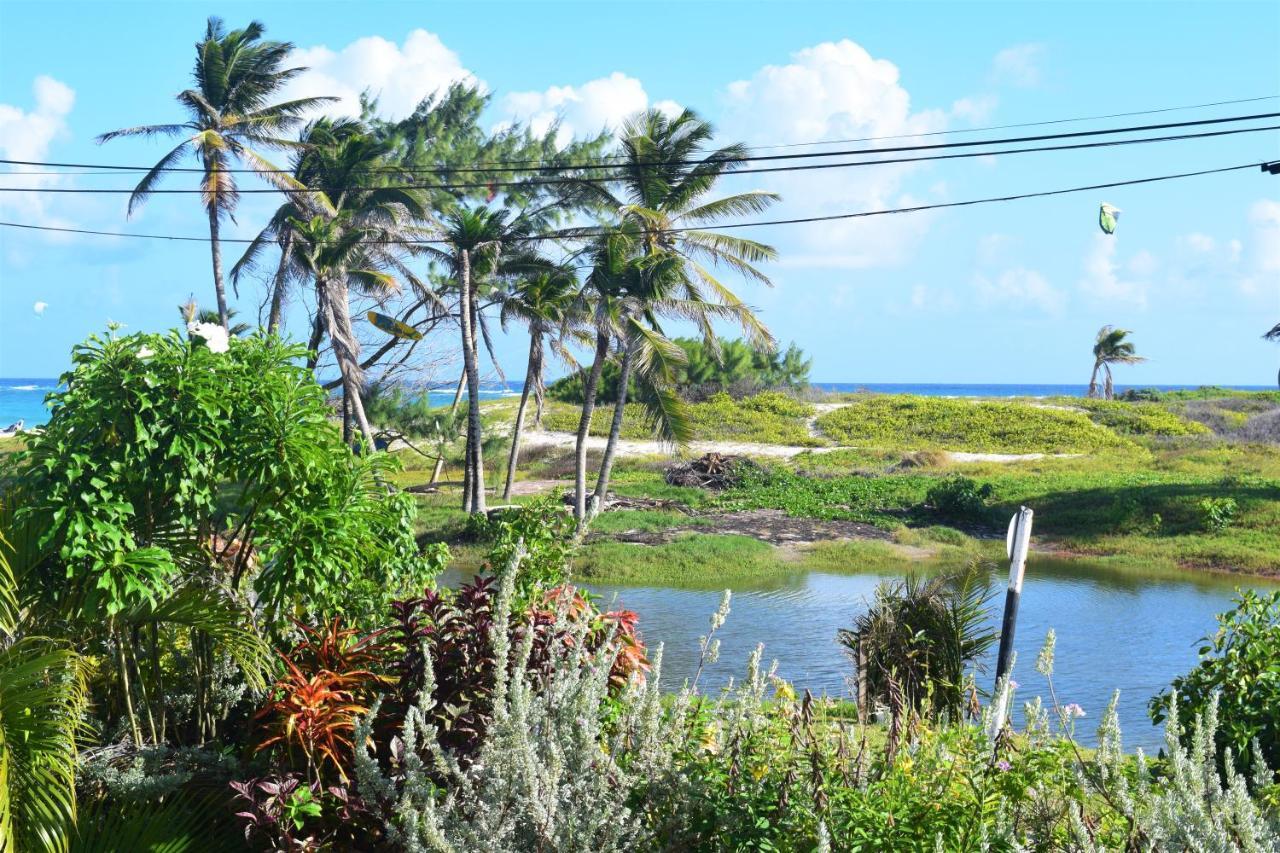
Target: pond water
1116, 630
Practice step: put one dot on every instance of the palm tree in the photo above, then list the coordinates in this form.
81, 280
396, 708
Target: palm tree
236, 73
484, 244
347, 229
667, 174
1274, 334
1110, 348
543, 302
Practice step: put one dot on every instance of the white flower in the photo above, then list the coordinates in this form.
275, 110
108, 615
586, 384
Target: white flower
145, 351
215, 336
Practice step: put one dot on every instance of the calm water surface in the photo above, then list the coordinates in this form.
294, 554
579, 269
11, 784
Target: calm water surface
1115, 629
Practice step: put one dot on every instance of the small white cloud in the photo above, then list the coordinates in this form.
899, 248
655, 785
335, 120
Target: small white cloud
39, 307
1020, 288
1264, 217
992, 248
1199, 243
1018, 65
1102, 279
975, 109
1143, 263
399, 76
583, 111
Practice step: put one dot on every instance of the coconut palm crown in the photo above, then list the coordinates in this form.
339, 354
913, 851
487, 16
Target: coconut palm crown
1110, 348
230, 115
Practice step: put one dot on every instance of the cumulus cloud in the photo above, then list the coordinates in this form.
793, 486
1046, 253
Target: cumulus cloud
834, 90
1264, 218
584, 110
1103, 280
399, 76
1020, 288
27, 134
1018, 65
975, 109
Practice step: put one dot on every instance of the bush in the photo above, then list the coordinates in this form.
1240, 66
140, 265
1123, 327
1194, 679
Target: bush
959, 499
934, 422
1217, 514
1239, 668
1132, 418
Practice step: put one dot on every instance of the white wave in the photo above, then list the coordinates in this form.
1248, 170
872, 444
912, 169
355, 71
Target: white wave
25, 388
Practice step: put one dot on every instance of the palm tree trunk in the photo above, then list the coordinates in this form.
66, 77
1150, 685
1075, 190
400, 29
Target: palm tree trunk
535, 358
1093, 381
469, 358
453, 407
215, 248
615, 431
346, 350
584, 425
317, 334
277, 289
1108, 389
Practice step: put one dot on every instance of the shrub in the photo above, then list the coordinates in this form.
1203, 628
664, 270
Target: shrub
1239, 669
1134, 418
934, 422
1217, 514
960, 499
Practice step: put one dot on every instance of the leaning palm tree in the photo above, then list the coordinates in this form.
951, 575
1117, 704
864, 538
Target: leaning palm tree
667, 172
236, 73
1110, 348
1274, 334
350, 228
542, 302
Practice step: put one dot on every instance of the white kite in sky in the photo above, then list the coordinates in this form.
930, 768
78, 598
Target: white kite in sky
39, 308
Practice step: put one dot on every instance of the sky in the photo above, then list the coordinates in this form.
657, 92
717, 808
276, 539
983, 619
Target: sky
1011, 292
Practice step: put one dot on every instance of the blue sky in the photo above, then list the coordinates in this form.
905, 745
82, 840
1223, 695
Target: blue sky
997, 293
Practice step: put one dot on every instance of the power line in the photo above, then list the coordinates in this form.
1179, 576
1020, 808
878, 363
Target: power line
580, 234
603, 180
746, 159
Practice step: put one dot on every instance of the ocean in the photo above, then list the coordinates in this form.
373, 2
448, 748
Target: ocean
22, 398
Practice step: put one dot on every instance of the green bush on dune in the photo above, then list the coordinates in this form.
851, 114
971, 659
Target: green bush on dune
920, 422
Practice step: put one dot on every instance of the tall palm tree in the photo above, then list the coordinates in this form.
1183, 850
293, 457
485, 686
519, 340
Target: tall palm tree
668, 172
543, 302
236, 73
347, 229
1274, 335
483, 245
1110, 348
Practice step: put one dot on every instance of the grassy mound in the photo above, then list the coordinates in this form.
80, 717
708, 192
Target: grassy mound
1150, 419
908, 422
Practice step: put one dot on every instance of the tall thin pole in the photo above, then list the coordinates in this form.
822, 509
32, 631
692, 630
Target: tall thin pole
1017, 542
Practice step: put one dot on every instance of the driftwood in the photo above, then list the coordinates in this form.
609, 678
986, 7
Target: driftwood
712, 471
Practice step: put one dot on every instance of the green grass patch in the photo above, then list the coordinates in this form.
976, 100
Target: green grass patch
1128, 418
909, 422
694, 561
644, 521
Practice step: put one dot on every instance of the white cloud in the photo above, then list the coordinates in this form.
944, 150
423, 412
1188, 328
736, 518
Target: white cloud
1102, 279
975, 109
1264, 217
1143, 263
1199, 243
1022, 288
27, 135
584, 110
834, 90
1018, 65
399, 76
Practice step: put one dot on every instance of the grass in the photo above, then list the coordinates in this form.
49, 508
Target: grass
1148, 419
694, 561
913, 423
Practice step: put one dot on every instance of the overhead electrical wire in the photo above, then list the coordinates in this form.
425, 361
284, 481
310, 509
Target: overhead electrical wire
588, 233
604, 180
566, 167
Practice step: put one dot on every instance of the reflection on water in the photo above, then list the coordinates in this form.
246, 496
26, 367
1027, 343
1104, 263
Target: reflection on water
1116, 630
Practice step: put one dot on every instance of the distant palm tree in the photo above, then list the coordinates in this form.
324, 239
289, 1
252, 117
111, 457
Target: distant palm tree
236, 73
1110, 348
1274, 334
544, 303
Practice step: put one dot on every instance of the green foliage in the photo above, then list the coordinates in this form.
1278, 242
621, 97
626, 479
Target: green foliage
1239, 669
894, 420
960, 499
765, 418
187, 821
1217, 514
542, 531
164, 461
1134, 418
919, 637
740, 370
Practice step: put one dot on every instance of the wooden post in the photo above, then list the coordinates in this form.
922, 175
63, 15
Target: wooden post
1017, 543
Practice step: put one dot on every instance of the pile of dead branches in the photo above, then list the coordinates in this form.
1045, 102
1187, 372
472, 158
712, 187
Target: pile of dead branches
712, 471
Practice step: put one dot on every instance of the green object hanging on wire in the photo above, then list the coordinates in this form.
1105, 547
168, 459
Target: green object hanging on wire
1108, 215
